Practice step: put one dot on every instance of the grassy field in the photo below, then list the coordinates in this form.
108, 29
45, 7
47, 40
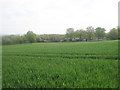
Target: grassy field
59, 65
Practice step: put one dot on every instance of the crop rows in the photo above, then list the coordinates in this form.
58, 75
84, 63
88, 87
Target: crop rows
51, 65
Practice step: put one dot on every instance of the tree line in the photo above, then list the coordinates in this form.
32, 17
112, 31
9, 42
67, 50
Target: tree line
90, 34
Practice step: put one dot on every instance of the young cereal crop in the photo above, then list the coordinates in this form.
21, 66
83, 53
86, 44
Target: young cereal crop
61, 65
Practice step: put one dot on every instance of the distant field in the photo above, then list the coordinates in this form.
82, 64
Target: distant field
78, 65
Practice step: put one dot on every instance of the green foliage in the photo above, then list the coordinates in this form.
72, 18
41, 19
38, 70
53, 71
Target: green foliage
81, 34
31, 37
61, 65
70, 34
38, 39
100, 32
90, 33
12, 39
113, 34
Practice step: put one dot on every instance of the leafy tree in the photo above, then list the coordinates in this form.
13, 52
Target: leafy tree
38, 38
90, 33
81, 34
24, 39
31, 37
12, 39
70, 33
113, 34
6, 40
100, 33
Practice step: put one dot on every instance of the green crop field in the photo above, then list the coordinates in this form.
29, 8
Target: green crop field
60, 65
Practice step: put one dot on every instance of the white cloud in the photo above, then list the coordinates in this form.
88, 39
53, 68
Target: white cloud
55, 16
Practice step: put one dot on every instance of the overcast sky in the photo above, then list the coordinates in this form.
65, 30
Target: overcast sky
55, 16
